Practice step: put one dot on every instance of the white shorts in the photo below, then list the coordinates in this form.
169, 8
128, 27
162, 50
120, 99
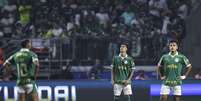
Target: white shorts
28, 88
165, 90
118, 88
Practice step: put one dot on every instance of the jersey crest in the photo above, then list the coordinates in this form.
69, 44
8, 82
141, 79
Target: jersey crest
176, 60
125, 62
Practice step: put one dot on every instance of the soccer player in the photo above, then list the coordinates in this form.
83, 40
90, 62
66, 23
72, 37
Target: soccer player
170, 69
27, 65
121, 74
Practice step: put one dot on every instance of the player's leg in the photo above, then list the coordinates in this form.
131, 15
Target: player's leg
176, 97
117, 88
21, 92
21, 96
177, 93
32, 90
163, 97
34, 96
127, 92
165, 91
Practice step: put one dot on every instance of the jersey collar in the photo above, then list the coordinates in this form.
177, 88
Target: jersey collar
123, 57
173, 55
24, 49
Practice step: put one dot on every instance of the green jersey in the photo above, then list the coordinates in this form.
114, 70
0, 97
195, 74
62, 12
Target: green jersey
24, 61
122, 67
172, 67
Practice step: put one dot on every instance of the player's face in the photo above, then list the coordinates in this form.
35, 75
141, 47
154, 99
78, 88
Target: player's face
123, 49
173, 47
29, 45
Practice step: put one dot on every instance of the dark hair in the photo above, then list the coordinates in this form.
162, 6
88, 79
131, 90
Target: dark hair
24, 43
173, 41
124, 43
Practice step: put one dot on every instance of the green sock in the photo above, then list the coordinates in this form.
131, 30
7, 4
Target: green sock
128, 97
116, 98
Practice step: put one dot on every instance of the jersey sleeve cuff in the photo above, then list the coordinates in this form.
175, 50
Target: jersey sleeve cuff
34, 60
159, 65
7, 62
133, 68
188, 65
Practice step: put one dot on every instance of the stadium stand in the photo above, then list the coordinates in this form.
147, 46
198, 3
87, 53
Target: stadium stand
81, 31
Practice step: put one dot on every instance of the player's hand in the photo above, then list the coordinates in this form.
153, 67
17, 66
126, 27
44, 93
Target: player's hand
125, 82
182, 77
163, 77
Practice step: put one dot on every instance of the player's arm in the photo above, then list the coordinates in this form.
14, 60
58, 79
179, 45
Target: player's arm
187, 69
7, 63
37, 66
131, 73
5, 67
37, 69
132, 70
112, 75
159, 69
112, 72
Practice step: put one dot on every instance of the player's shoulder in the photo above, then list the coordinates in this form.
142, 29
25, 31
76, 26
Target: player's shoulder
115, 57
130, 57
181, 55
32, 53
15, 54
165, 55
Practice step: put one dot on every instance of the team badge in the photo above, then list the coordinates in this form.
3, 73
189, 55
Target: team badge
125, 62
176, 60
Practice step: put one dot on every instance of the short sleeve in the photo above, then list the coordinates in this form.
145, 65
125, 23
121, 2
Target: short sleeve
132, 64
186, 61
113, 62
10, 60
34, 58
160, 63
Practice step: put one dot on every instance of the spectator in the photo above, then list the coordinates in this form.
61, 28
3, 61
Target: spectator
3, 3
24, 14
96, 70
65, 71
1, 34
154, 8
136, 46
57, 30
166, 23
102, 17
128, 16
141, 75
198, 75
183, 10
7, 22
90, 22
1, 62
113, 44
1, 57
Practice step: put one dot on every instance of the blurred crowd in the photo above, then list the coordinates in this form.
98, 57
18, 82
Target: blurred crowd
98, 25
93, 29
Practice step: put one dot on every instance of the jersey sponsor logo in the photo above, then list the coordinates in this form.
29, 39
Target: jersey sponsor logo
172, 66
